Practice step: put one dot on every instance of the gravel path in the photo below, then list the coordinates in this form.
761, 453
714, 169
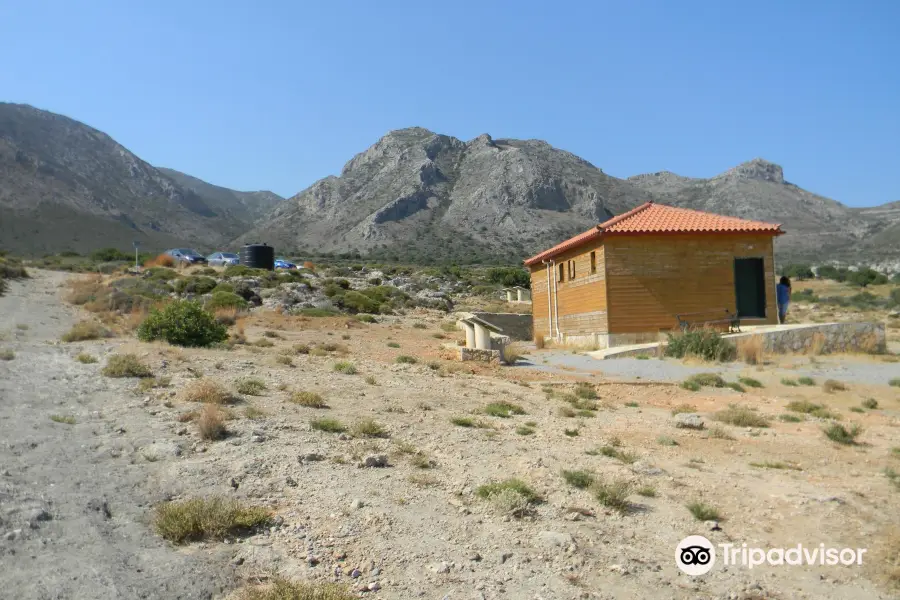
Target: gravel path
74, 498
851, 369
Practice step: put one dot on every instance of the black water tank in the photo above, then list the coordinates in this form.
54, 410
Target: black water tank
258, 256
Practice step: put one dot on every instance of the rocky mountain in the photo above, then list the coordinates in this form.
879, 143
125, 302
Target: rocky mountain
67, 186
757, 190
246, 207
418, 194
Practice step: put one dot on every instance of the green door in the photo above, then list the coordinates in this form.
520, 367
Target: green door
750, 287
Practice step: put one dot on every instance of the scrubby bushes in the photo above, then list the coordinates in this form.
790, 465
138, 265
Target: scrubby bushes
10, 268
182, 323
704, 344
195, 285
202, 518
223, 299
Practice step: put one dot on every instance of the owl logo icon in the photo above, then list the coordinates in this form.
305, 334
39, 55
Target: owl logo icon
695, 555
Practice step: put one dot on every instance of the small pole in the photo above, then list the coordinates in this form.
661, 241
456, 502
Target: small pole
136, 245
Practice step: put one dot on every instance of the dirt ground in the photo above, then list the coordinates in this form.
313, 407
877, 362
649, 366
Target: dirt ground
416, 532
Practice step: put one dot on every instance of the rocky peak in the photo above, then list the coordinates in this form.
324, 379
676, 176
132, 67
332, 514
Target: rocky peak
759, 169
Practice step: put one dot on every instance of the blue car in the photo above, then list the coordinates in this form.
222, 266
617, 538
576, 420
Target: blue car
281, 263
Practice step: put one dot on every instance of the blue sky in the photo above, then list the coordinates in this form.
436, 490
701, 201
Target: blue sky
277, 94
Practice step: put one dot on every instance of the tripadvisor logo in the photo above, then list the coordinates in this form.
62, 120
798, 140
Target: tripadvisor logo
696, 555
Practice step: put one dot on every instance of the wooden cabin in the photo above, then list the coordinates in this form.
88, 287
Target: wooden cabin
653, 270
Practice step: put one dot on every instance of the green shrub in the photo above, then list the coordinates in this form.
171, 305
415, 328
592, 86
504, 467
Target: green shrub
788, 382
109, 255
240, 271
704, 512
707, 380
318, 312
345, 367
195, 285
843, 435
788, 418
182, 323
707, 345
404, 359
870, 403
503, 409
126, 365
160, 274
206, 518
895, 382
369, 428
750, 382
806, 381
579, 479
223, 287
85, 358
328, 425
691, 386
223, 299
7, 354
355, 302
518, 486
735, 386
614, 494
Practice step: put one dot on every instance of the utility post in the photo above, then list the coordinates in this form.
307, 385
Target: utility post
137, 245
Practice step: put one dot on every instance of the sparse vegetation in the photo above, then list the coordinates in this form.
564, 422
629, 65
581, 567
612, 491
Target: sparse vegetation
503, 409
647, 491
750, 349
741, 416
691, 386
285, 360
579, 479
811, 408
789, 382
182, 323
621, 455
85, 358
707, 380
404, 359
614, 494
126, 365
843, 435
703, 344
282, 589
703, 511
7, 354
328, 425
308, 399
511, 353
750, 382
870, 403
684, 408
806, 381
393, 345
211, 422
525, 430
65, 419
206, 391
85, 330
735, 386
491, 490
345, 367
664, 440
719, 433
895, 382
250, 386
775, 465
206, 518
369, 428
575, 432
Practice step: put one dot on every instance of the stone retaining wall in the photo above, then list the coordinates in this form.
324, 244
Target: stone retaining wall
827, 339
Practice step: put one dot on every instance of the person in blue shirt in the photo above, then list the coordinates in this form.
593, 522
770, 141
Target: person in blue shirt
783, 297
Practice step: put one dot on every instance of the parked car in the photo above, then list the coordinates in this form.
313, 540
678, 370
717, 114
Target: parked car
222, 259
187, 255
281, 263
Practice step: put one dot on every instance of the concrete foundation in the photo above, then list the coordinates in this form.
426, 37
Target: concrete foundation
488, 356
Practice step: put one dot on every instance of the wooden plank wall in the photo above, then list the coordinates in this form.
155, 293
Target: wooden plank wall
582, 299
650, 279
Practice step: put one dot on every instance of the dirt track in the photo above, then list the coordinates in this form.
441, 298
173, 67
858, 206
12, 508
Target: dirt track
72, 500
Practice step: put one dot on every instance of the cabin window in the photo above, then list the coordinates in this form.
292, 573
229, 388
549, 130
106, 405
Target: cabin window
560, 273
571, 269
593, 262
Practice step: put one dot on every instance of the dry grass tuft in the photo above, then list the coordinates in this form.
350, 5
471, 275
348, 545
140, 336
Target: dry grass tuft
85, 358
750, 349
512, 353
741, 416
206, 518
163, 260
211, 423
85, 330
308, 399
250, 386
207, 391
126, 365
282, 589
539, 342
369, 428
831, 386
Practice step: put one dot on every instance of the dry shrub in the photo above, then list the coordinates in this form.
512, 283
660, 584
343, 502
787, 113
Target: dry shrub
539, 342
282, 589
226, 316
211, 422
750, 349
163, 260
206, 391
868, 344
817, 345
308, 399
84, 289
85, 330
203, 518
512, 353
309, 265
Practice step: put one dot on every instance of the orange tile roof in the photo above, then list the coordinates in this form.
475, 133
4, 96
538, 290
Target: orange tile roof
653, 218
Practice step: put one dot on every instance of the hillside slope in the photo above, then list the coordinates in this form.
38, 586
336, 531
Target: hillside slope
67, 186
